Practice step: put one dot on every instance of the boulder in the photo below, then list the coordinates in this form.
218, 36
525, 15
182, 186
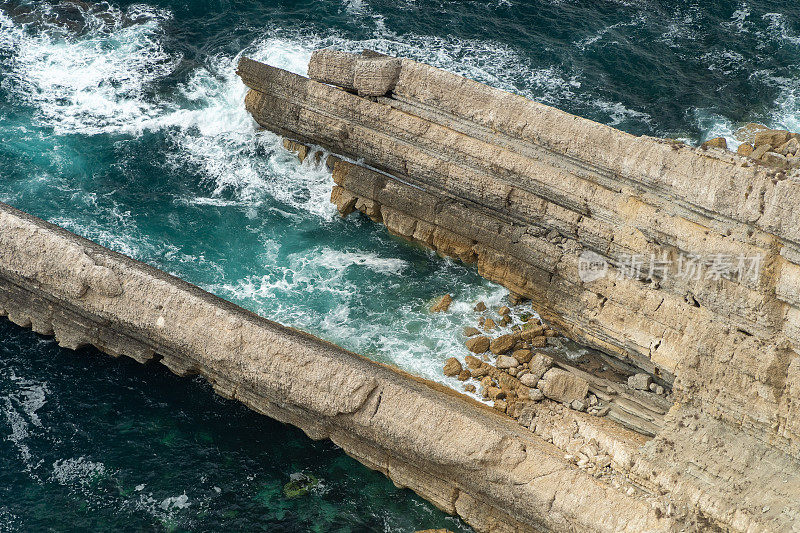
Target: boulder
473, 362
538, 342
442, 304
479, 372
790, 147
535, 395
772, 138
500, 405
464, 375
452, 367
477, 344
578, 405
469, 387
716, 142
745, 149
539, 364
563, 386
760, 150
528, 379
495, 393
471, 332
523, 356
333, 67
502, 344
504, 361
774, 160
640, 381
489, 324
480, 306
503, 311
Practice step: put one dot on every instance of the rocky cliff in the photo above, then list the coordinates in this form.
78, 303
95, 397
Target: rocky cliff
681, 261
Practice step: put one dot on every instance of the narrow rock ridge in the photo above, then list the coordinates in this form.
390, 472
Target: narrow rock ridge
532, 194
465, 458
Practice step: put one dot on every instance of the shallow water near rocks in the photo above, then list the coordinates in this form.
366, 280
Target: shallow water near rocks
124, 123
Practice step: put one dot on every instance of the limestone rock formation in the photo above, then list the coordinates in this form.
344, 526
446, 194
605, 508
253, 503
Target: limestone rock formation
681, 262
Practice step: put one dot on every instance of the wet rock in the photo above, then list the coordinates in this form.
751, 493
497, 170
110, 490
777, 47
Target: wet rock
464, 375
505, 321
716, 142
640, 381
504, 311
489, 324
504, 361
562, 386
480, 307
523, 356
477, 344
502, 344
745, 149
443, 304
473, 362
471, 332
469, 387
452, 367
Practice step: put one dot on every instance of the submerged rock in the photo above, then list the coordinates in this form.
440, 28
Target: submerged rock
443, 304
300, 485
470, 331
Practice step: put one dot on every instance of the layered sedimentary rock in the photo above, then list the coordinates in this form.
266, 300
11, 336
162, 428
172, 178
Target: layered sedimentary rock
467, 459
684, 262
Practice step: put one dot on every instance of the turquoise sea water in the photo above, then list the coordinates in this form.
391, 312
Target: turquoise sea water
124, 123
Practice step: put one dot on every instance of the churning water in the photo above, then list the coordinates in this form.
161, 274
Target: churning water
124, 122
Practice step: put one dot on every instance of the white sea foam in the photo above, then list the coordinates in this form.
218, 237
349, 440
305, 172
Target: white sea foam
20, 406
77, 472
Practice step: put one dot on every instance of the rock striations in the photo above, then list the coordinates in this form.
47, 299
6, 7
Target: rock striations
682, 261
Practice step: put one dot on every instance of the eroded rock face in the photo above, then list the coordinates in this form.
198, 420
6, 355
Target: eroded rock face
463, 458
560, 209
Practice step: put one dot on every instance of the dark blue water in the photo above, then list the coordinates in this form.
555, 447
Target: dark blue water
124, 122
